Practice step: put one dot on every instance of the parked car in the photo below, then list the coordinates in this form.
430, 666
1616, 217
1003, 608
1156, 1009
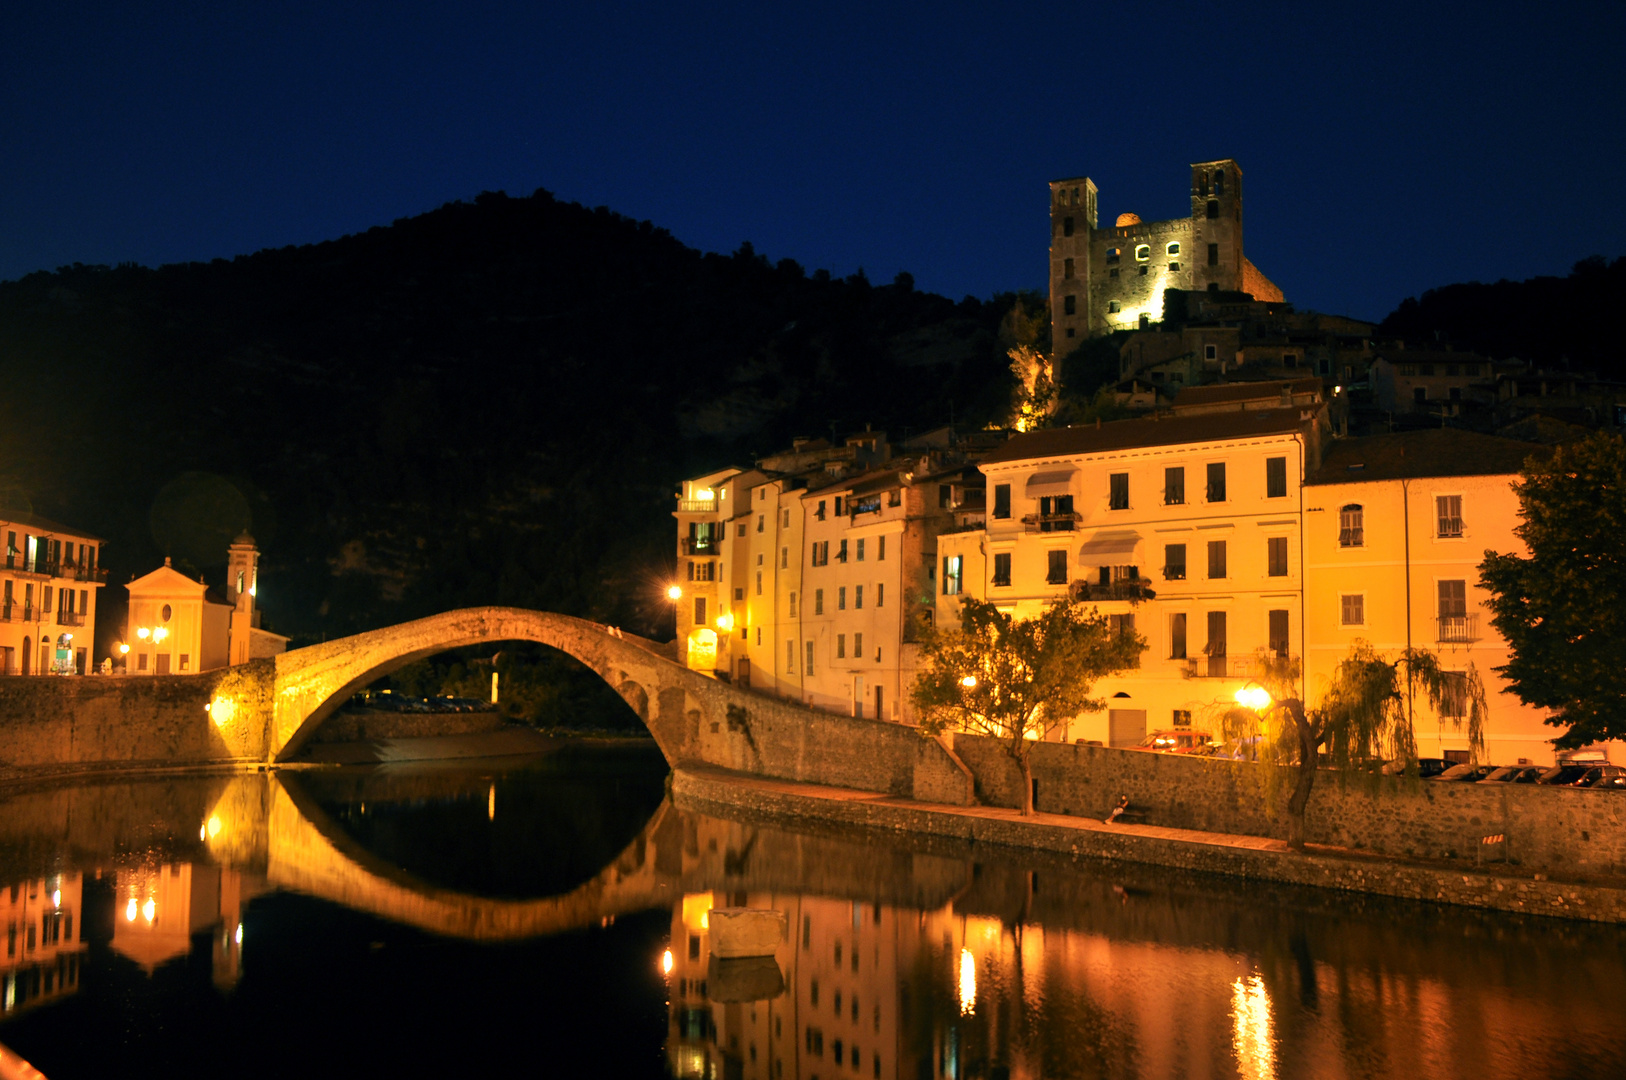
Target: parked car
1465, 772
1176, 742
1597, 775
1427, 767
1515, 774
1610, 783
1563, 775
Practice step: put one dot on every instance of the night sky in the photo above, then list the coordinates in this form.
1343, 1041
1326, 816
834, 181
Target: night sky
1387, 148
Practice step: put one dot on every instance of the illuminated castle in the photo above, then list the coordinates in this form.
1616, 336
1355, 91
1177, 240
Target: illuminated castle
1114, 278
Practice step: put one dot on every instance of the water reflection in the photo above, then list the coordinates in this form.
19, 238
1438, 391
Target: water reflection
205, 902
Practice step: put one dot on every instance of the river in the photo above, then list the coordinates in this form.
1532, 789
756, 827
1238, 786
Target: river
550, 917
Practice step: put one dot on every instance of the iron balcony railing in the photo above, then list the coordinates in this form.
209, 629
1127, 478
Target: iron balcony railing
70, 618
1064, 522
700, 545
1123, 589
1458, 628
1219, 667
16, 611
24, 565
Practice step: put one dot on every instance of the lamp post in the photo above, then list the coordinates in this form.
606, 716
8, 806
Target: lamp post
1309, 734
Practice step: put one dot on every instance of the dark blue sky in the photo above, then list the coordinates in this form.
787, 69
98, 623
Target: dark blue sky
1387, 147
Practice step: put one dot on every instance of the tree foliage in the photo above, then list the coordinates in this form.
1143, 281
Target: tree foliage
1562, 608
1365, 715
1018, 679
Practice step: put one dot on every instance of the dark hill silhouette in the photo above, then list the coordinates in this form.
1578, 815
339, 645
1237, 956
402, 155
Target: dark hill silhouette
488, 403
1548, 320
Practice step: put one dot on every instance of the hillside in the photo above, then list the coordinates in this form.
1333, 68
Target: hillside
490, 402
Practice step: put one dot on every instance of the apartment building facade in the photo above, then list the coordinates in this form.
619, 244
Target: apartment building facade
1184, 529
48, 596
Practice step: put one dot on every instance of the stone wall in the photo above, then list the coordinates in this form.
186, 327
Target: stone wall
1576, 832
65, 724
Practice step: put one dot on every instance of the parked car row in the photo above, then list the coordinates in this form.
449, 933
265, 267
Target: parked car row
389, 701
1577, 775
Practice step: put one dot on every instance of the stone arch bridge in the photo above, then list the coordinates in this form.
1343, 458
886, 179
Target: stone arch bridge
695, 719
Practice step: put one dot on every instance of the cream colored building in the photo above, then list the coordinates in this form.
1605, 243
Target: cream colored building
1395, 529
44, 943
48, 596
1185, 528
178, 626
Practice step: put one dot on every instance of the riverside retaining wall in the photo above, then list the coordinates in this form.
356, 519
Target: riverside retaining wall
1575, 832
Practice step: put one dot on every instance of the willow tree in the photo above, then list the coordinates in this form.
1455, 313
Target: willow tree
1364, 716
1017, 680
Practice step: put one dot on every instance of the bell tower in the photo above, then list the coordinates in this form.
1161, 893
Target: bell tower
1216, 225
242, 587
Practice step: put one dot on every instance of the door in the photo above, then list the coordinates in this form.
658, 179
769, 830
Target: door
28, 653
858, 696
1126, 727
163, 663
744, 678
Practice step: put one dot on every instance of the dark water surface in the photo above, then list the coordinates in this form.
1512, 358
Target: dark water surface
549, 917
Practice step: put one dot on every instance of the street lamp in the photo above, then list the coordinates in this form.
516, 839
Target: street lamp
969, 682
675, 593
1255, 697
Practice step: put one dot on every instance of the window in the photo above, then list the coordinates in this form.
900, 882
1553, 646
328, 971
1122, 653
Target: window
761, 521
819, 513
784, 558
1143, 274
1173, 248
1174, 562
1114, 307
1002, 501
841, 598
790, 657
1290, 360
1118, 482
1352, 609
880, 594
1350, 531
880, 549
1210, 352
1448, 509
1276, 556
1067, 268
1213, 249
759, 635
818, 601
858, 597
1174, 487
1143, 252
807, 666
841, 552
838, 505
858, 646
793, 605
1213, 212
1276, 478
1216, 559
759, 582
1219, 181
1069, 305
860, 549
821, 553
1056, 513
1067, 226
700, 611
945, 495
1216, 481
1453, 611
951, 574
1113, 273
739, 594
1174, 267
841, 646
787, 517
1177, 636
1056, 574
1113, 255
1002, 568
1278, 633
1217, 647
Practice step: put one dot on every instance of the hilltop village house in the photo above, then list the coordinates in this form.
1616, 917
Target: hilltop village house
1230, 526
48, 603
179, 626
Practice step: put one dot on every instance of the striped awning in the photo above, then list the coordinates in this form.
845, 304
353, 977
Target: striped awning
1050, 483
1114, 542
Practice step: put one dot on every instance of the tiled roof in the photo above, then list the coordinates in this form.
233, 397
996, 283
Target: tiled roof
1434, 452
44, 525
1169, 431
1256, 391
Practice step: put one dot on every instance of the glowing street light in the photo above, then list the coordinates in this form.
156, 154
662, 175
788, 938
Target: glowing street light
1254, 697
666, 962
675, 593
969, 682
725, 621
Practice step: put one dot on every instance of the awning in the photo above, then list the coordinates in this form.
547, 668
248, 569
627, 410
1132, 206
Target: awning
1121, 542
1050, 483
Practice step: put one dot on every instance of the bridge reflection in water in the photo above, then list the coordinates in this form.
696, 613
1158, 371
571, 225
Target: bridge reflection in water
913, 957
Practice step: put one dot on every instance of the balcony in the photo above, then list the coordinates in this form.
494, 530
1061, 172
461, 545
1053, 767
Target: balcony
22, 564
14, 611
697, 506
1130, 589
1219, 667
1457, 629
701, 545
1064, 522
70, 618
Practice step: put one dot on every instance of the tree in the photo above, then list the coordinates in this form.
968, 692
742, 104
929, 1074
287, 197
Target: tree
1018, 679
1364, 716
1563, 609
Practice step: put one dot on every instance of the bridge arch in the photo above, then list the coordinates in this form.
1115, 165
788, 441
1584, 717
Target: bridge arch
313, 682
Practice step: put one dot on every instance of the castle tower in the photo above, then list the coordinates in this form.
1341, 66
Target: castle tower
1216, 218
1072, 222
242, 587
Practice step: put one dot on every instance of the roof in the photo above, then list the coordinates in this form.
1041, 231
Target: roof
1253, 391
45, 525
1169, 431
1416, 454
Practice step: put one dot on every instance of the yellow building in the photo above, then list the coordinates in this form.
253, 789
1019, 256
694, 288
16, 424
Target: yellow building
178, 626
1395, 529
47, 596
44, 944
1184, 528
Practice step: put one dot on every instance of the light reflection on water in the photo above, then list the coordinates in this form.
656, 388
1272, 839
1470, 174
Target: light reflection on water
395, 902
